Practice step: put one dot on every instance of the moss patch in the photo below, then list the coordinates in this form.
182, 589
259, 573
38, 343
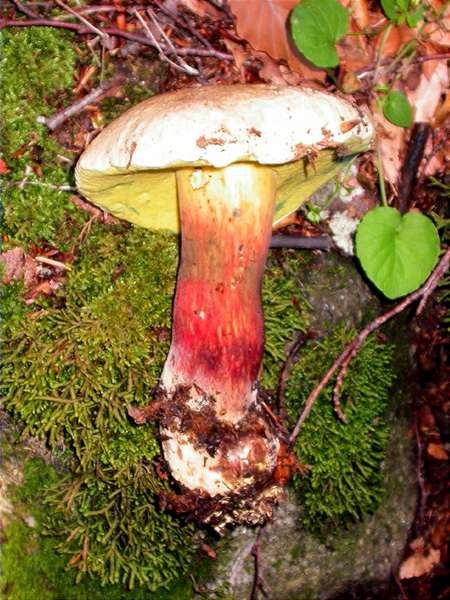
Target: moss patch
33, 567
37, 69
345, 479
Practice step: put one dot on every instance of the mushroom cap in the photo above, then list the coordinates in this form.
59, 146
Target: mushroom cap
304, 134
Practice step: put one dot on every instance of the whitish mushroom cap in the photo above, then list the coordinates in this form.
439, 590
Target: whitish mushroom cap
129, 168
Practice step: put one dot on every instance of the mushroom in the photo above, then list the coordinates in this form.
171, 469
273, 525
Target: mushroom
221, 164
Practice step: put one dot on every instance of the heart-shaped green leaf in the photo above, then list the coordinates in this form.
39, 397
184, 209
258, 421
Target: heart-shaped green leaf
316, 26
397, 252
397, 109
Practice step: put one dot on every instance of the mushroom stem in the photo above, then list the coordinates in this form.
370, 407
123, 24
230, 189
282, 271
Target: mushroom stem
218, 440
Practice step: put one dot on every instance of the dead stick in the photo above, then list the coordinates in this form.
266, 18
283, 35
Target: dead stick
258, 581
349, 352
23, 8
83, 30
321, 242
387, 61
416, 146
75, 108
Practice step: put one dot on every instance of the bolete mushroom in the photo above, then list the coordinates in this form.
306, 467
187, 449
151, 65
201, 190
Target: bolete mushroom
222, 164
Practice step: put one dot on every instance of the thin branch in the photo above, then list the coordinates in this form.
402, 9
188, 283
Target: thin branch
23, 8
322, 242
189, 70
349, 352
387, 61
75, 108
258, 581
53, 263
114, 31
419, 472
88, 24
184, 23
292, 355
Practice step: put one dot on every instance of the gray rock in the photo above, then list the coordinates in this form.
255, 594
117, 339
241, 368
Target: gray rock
297, 566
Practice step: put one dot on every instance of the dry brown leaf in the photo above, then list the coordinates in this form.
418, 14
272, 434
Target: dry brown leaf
263, 24
198, 7
439, 33
391, 141
437, 451
426, 98
359, 11
273, 72
418, 564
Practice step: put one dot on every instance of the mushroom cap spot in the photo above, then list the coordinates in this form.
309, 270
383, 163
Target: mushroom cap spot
129, 168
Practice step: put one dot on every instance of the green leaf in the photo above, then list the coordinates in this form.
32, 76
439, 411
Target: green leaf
390, 9
397, 252
397, 109
316, 26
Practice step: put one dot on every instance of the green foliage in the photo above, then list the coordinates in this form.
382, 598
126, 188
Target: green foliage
397, 252
37, 66
399, 12
316, 27
344, 480
70, 374
397, 109
33, 567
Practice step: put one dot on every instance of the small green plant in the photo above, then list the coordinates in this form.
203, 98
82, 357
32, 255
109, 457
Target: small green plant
396, 251
397, 109
316, 27
409, 12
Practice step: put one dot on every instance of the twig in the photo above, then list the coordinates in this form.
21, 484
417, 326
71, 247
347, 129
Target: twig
349, 352
258, 581
387, 61
75, 108
422, 492
182, 65
53, 263
416, 146
114, 31
24, 9
321, 242
105, 37
184, 23
285, 372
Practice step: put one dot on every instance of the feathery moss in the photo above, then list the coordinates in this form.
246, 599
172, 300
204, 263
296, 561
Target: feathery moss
37, 67
345, 480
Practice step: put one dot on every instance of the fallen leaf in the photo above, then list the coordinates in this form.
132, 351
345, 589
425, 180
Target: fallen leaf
263, 23
13, 263
391, 143
437, 451
427, 96
418, 564
208, 551
3, 167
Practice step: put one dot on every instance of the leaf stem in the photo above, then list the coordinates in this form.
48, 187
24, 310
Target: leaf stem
381, 177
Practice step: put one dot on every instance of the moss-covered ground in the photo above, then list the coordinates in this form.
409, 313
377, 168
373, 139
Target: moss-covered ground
72, 363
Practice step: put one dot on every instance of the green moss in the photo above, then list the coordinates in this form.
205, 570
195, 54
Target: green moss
345, 479
33, 567
70, 375
99, 346
37, 67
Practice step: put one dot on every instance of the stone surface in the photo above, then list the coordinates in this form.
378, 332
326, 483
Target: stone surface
295, 564
336, 292
298, 566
